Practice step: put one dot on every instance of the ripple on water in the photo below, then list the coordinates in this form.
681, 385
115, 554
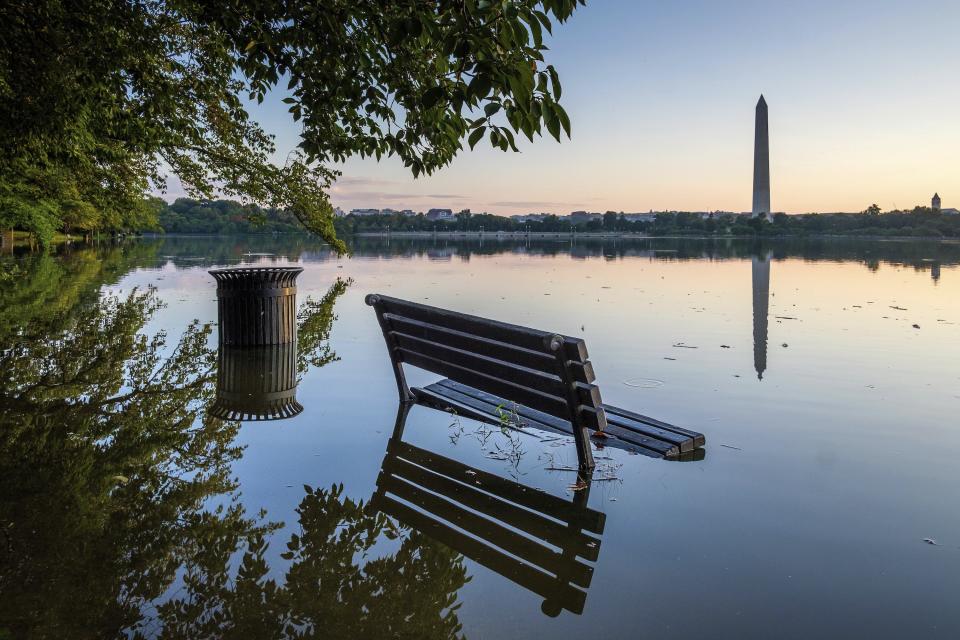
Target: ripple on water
643, 383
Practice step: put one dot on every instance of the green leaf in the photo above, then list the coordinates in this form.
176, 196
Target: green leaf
480, 86
551, 120
475, 137
555, 81
432, 97
563, 117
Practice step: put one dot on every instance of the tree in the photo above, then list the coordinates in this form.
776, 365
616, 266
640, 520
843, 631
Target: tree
102, 98
873, 210
610, 221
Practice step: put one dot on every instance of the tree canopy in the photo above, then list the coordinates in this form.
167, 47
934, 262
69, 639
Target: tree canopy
100, 100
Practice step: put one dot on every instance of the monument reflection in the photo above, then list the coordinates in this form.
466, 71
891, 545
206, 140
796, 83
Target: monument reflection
761, 310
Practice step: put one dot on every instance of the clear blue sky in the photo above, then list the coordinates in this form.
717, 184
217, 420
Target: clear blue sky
864, 107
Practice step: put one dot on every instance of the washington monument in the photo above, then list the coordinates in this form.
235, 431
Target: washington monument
761, 163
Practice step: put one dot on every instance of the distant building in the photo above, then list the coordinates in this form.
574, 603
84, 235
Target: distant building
408, 212
338, 212
529, 217
950, 211
365, 212
583, 217
640, 217
935, 202
388, 212
440, 215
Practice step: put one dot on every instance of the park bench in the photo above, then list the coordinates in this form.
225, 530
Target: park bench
504, 373
545, 544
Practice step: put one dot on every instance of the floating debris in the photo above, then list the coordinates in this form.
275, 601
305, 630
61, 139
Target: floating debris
666, 358
897, 308
931, 541
916, 326
785, 318
724, 346
681, 345
730, 446
785, 345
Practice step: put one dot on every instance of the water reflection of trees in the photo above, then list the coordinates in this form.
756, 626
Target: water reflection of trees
326, 592
105, 464
917, 253
119, 513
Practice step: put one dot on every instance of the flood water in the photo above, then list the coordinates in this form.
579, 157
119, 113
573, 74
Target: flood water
824, 374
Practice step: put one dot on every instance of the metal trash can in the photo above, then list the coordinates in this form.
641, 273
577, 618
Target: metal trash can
257, 305
257, 383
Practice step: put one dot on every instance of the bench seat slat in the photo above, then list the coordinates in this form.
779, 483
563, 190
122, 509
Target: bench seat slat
532, 359
491, 329
525, 337
551, 404
545, 383
508, 372
485, 409
586, 519
523, 574
698, 438
619, 434
469, 495
480, 401
506, 352
448, 399
684, 443
511, 542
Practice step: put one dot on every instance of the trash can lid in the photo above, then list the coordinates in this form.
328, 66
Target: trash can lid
243, 270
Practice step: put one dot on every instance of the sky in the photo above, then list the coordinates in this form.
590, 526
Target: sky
864, 103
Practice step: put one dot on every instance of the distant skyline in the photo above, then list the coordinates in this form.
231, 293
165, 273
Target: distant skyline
661, 98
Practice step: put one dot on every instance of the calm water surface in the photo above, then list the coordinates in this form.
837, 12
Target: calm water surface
824, 375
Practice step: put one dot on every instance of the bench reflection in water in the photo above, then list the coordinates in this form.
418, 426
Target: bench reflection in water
541, 542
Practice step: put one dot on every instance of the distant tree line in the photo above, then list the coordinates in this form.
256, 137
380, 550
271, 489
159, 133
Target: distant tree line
224, 217
920, 222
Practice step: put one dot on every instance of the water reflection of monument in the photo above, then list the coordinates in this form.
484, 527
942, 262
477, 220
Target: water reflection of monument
257, 383
761, 306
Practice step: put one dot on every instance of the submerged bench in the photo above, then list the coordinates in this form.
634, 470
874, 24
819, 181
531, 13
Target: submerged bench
535, 378
539, 541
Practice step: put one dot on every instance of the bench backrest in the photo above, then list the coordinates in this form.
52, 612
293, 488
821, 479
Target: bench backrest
444, 498
536, 369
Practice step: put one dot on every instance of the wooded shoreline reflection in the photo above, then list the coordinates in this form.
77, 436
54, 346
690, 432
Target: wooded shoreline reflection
110, 466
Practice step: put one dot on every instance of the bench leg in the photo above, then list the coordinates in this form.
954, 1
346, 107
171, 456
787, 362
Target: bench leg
405, 395
402, 411
581, 437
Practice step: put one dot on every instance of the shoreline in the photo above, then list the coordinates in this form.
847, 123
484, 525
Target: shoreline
565, 235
